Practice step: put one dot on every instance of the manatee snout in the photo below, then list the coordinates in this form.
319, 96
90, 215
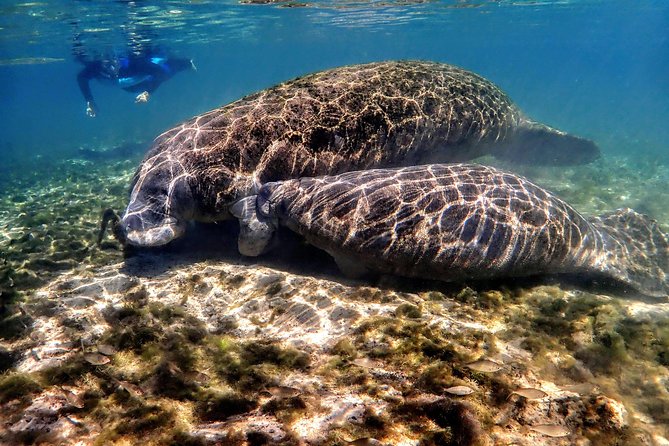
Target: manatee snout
161, 204
140, 233
138, 229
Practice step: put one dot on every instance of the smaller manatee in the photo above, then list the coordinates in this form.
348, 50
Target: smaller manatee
455, 222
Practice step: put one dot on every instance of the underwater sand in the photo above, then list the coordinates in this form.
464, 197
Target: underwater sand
195, 345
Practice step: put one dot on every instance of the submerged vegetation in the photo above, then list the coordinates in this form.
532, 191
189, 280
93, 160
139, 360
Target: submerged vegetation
210, 353
48, 217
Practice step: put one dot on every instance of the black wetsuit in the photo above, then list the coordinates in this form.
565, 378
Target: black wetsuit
135, 74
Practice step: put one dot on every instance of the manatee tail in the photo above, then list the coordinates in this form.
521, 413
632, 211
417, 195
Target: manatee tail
635, 251
535, 143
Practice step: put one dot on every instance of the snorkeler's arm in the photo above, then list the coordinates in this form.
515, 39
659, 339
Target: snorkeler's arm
83, 79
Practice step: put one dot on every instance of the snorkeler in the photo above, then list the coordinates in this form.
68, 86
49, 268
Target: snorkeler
136, 73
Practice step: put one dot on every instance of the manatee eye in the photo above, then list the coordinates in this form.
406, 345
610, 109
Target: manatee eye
156, 191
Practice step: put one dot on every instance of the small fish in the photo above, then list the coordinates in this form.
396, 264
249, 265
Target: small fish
343, 415
283, 391
485, 365
581, 389
72, 398
460, 390
551, 430
106, 349
530, 393
423, 400
132, 389
96, 358
200, 378
366, 363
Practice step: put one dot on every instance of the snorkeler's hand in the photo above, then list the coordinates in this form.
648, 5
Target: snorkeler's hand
142, 97
90, 109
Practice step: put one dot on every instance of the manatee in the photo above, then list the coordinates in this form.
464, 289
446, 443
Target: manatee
357, 117
454, 223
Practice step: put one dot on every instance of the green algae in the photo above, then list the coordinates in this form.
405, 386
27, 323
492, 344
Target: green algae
437, 377
172, 380
7, 359
252, 365
597, 338
172, 348
144, 418
17, 386
410, 341
14, 324
344, 348
262, 352
617, 339
185, 439
218, 406
408, 311
458, 421
139, 422
141, 326
135, 330
606, 355
69, 372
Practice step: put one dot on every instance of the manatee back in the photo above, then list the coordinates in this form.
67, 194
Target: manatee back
448, 222
357, 117
353, 117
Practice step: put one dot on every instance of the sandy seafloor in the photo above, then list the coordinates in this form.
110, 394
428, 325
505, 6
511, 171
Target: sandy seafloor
196, 345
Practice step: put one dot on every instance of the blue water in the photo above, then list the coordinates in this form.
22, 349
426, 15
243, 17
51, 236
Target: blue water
596, 69
599, 69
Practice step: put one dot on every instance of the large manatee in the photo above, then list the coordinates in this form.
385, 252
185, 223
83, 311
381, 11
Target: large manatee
349, 118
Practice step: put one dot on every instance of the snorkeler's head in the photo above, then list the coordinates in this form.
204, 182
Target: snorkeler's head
110, 67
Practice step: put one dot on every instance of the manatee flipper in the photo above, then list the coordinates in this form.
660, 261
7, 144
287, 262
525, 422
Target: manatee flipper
535, 143
255, 230
638, 251
110, 216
